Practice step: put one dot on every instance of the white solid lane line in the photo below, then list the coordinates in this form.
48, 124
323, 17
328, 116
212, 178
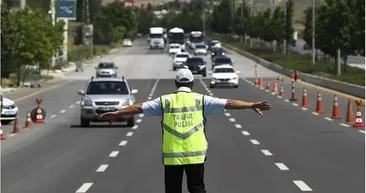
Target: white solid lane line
227, 114
114, 154
135, 127
71, 106
238, 126
302, 185
138, 121
85, 187
62, 111
246, 133
232, 119
282, 166
266, 152
123, 143
254, 141
129, 134
102, 168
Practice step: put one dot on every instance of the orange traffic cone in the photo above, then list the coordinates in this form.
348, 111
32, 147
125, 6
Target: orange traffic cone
304, 102
293, 98
28, 121
358, 121
275, 87
261, 83
257, 82
16, 128
39, 117
319, 104
281, 91
2, 135
336, 113
349, 118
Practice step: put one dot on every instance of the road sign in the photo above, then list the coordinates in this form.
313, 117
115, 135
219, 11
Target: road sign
66, 9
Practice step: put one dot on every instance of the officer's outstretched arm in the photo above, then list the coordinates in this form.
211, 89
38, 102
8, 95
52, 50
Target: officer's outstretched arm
131, 110
256, 106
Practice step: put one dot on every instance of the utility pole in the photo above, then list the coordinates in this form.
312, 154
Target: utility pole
313, 33
53, 15
285, 20
203, 19
22, 3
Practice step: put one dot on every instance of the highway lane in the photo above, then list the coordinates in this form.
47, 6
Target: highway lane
60, 151
329, 157
233, 165
57, 157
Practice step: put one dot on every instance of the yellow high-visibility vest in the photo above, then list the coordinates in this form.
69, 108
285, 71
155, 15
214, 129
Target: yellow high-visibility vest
184, 139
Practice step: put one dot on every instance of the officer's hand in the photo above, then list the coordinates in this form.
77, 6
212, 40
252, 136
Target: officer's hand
261, 106
111, 116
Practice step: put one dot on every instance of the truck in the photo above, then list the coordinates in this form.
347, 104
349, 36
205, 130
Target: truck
195, 37
176, 35
156, 38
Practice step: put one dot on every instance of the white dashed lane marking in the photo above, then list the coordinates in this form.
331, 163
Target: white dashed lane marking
149, 98
286, 100
304, 109
232, 119
281, 166
114, 154
77, 102
71, 106
129, 134
302, 186
238, 126
141, 115
254, 141
135, 127
62, 111
211, 94
53, 116
361, 131
315, 113
328, 119
138, 120
344, 125
102, 168
246, 133
85, 187
266, 152
123, 143
295, 104
227, 114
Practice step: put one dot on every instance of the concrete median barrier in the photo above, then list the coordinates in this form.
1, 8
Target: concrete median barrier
343, 87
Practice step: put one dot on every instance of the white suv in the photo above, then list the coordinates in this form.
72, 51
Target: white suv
224, 75
9, 110
180, 59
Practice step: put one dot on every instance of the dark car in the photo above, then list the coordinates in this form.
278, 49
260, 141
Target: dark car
221, 60
197, 65
209, 44
217, 52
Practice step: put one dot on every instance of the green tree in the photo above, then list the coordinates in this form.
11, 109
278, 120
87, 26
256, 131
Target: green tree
289, 30
221, 17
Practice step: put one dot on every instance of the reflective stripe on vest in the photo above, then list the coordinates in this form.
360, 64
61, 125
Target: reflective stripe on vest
184, 140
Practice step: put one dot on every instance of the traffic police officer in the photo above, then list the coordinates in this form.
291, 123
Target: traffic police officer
183, 121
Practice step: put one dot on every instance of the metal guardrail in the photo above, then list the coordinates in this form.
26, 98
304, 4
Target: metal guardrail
347, 88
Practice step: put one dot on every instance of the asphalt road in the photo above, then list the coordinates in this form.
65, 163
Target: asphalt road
288, 150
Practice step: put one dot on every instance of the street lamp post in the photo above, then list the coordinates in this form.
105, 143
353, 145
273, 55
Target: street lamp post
285, 20
313, 33
203, 19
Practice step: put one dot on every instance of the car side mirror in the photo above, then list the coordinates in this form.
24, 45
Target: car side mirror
134, 91
81, 92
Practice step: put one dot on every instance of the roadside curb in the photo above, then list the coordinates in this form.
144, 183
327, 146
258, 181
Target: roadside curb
334, 86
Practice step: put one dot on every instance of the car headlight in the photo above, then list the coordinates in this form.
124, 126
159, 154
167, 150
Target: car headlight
86, 102
130, 102
202, 66
235, 78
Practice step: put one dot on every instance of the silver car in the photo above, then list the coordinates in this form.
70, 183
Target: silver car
106, 69
105, 95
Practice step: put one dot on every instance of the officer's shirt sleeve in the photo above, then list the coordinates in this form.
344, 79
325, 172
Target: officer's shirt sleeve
152, 107
213, 105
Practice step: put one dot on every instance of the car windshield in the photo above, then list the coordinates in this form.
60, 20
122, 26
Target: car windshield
106, 65
223, 60
182, 56
194, 60
107, 87
200, 46
223, 70
174, 46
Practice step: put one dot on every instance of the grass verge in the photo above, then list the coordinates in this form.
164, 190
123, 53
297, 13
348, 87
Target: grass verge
303, 63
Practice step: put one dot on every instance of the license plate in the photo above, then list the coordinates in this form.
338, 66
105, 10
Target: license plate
194, 71
106, 108
9, 113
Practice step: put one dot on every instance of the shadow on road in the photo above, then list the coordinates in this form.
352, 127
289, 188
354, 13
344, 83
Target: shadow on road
100, 126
